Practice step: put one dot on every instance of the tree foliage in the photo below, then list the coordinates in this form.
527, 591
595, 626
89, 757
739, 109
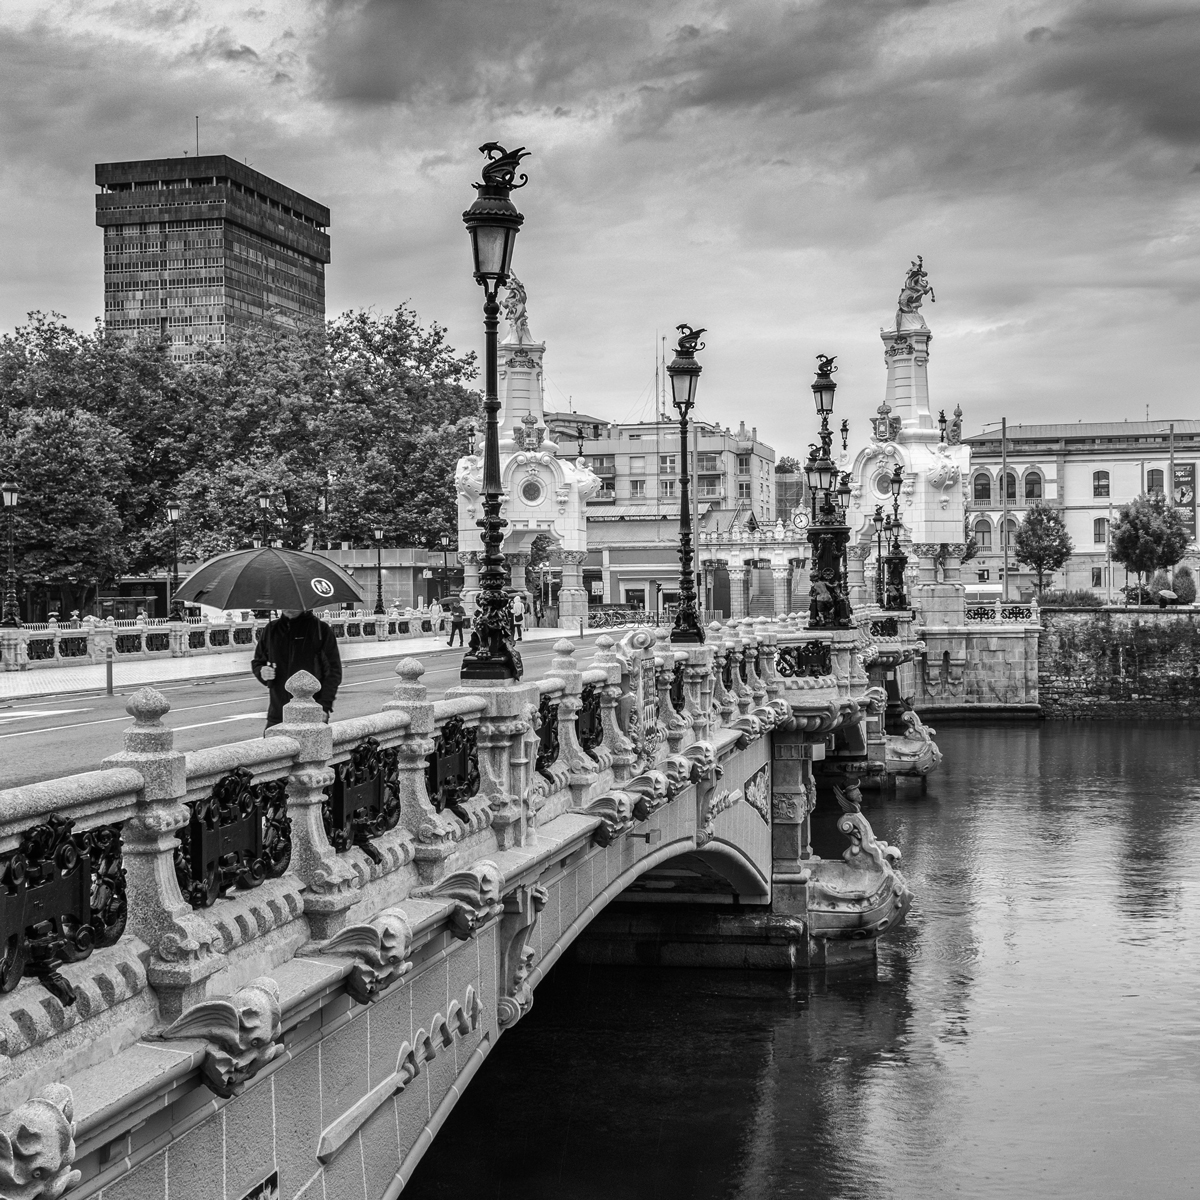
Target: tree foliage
787, 465
348, 427
1148, 535
1042, 542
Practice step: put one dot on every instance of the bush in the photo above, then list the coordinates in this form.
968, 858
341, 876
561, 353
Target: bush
1185, 585
1137, 595
1080, 598
1159, 583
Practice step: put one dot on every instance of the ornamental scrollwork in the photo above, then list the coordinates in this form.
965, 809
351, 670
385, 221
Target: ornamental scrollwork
364, 799
452, 768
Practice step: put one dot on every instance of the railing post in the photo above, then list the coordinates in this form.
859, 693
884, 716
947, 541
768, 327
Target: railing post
620, 747
583, 770
328, 881
180, 940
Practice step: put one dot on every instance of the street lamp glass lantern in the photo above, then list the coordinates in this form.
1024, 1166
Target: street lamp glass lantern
172, 511
844, 493
823, 389
684, 377
378, 532
445, 540
8, 491
897, 481
826, 475
878, 519
264, 500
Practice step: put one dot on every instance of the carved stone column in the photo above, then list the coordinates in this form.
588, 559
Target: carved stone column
856, 557
328, 881
780, 577
737, 593
469, 561
181, 941
572, 598
517, 563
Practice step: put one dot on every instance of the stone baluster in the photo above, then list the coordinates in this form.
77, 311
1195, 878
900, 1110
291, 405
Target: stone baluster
674, 723
736, 649
181, 941
723, 699
583, 769
613, 700
329, 882
754, 684
768, 640
697, 690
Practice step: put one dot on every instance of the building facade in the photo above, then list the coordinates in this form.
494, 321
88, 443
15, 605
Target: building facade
196, 246
1087, 471
633, 520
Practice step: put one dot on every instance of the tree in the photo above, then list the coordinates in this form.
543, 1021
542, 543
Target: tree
970, 542
788, 465
1184, 586
1042, 542
1148, 535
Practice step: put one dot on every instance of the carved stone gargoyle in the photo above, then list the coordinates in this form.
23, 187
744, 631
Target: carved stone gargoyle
615, 811
476, 892
652, 790
243, 1033
379, 950
38, 1147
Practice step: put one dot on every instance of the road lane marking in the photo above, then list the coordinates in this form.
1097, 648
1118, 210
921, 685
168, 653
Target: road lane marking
257, 715
38, 712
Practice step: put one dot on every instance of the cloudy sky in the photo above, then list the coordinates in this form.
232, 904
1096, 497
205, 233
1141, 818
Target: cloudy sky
764, 168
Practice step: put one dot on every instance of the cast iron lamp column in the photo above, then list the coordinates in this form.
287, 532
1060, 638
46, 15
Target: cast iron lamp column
264, 509
493, 222
174, 608
12, 611
878, 520
685, 374
445, 540
378, 532
895, 599
829, 606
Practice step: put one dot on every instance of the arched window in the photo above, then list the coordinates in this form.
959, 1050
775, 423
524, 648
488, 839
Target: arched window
1010, 486
983, 535
1010, 531
1099, 483
1154, 481
1100, 530
983, 487
1033, 486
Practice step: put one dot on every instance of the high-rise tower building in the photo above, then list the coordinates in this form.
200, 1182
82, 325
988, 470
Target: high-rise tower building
196, 246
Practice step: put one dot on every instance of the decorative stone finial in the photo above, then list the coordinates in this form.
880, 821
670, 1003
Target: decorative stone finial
148, 707
38, 1148
303, 686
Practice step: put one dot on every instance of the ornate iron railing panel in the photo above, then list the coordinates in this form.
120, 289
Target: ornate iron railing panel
982, 612
158, 641
339, 629
727, 671
195, 639
72, 647
243, 637
547, 731
806, 659
62, 895
239, 835
128, 643
364, 800
368, 629
354, 629
452, 768
676, 692
589, 727
39, 649
885, 627
218, 637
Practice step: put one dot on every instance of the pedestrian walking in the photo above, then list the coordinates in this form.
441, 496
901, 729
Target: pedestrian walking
518, 616
297, 641
458, 618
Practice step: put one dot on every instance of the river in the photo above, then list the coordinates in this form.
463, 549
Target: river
1032, 1031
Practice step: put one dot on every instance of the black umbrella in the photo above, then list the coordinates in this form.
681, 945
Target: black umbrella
269, 578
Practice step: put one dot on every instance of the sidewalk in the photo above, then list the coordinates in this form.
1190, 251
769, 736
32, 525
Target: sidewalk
50, 681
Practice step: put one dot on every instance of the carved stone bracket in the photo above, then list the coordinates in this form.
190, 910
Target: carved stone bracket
380, 952
242, 1033
521, 908
38, 1147
476, 895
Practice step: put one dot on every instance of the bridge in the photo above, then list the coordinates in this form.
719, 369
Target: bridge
270, 968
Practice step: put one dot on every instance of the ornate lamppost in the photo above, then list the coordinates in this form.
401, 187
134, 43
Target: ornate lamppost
378, 531
829, 605
174, 608
445, 541
493, 222
264, 520
878, 521
894, 598
685, 374
12, 611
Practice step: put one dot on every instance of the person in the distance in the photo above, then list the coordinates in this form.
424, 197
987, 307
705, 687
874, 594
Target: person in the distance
297, 641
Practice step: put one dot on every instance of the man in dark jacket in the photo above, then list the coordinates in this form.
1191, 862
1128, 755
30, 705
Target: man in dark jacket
297, 641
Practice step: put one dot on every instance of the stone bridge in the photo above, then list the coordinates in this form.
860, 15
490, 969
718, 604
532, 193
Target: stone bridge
270, 968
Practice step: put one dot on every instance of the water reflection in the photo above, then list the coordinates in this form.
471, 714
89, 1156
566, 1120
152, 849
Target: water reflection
1031, 1032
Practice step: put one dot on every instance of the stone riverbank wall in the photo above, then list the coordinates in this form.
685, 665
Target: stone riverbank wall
1135, 662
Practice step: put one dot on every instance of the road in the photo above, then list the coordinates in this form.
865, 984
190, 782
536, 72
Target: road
46, 737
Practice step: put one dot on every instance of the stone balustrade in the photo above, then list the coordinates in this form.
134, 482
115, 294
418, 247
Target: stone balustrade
179, 928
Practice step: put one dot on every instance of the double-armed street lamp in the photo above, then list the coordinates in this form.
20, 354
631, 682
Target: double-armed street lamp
829, 606
493, 223
895, 561
684, 372
12, 613
174, 608
379, 531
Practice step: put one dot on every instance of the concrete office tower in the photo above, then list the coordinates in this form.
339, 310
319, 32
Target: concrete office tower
195, 247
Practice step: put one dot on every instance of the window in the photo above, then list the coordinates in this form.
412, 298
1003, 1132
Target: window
1010, 530
710, 485
1099, 483
666, 487
1100, 531
1010, 486
1097, 577
743, 464
708, 461
637, 464
984, 575
604, 464
743, 489
983, 487
666, 464
635, 437
1154, 481
637, 489
983, 535
1033, 486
